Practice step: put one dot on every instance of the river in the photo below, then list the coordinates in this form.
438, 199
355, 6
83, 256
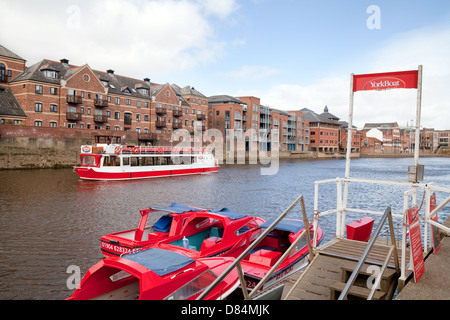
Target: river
51, 220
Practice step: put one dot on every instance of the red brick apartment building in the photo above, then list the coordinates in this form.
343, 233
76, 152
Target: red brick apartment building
60, 95
244, 113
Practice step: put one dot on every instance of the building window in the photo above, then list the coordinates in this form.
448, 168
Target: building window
117, 100
138, 104
38, 123
71, 125
117, 115
138, 118
2, 73
128, 102
39, 89
53, 108
53, 124
127, 119
86, 78
38, 107
54, 91
146, 117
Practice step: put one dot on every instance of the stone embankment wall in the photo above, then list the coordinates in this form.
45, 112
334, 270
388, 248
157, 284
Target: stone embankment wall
23, 147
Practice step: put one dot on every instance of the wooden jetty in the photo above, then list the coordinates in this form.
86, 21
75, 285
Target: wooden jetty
328, 272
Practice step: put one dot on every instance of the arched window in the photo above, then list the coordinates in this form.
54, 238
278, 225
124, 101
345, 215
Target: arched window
2, 72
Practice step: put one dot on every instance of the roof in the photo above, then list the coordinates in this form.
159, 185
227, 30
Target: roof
161, 262
288, 225
229, 213
177, 208
9, 54
311, 116
224, 99
187, 91
9, 106
380, 125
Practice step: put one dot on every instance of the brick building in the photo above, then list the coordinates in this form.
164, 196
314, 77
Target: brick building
324, 130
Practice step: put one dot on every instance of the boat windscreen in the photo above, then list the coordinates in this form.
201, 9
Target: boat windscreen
229, 213
285, 225
160, 261
177, 208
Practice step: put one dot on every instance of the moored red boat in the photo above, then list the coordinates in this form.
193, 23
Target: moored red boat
205, 233
269, 251
113, 161
155, 274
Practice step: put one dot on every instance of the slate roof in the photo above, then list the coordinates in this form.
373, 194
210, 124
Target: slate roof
187, 91
9, 106
9, 54
311, 116
223, 99
380, 125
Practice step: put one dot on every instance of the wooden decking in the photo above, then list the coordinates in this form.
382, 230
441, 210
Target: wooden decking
326, 268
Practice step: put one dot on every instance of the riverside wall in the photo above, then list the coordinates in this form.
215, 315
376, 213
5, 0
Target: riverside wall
24, 147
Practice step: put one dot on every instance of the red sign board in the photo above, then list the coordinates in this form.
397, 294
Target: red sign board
385, 81
416, 242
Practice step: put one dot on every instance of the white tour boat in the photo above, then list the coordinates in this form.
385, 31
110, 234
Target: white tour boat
114, 161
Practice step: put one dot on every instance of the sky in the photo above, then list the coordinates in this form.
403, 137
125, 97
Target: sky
292, 54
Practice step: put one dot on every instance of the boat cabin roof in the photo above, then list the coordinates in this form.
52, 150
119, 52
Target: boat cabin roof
161, 262
180, 208
288, 225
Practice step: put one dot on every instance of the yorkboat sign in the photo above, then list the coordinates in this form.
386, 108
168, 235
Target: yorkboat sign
385, 81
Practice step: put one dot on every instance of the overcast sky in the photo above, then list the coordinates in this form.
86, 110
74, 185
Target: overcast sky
290, 53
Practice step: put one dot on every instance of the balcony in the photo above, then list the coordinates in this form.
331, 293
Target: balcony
148, 137
177, 113
160, 123
74, 99
177, 125
161, 110
102, 103
100, 118
201, 117
73, 116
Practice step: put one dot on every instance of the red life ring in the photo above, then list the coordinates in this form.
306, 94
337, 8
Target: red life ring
136, 150
118, 150
160, 150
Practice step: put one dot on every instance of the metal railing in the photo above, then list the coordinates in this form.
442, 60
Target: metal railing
392, 250
237, 262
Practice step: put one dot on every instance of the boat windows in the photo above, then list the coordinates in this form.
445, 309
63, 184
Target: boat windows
193, 287
88, 161
248, 226
126, 161
111, 162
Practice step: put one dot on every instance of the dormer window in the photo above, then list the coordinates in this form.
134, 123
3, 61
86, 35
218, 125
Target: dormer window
52, 74
143, 91
126, 90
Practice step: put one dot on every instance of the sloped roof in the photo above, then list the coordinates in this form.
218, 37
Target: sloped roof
188, 90
9, 106
224, 99
311, 116
9, 54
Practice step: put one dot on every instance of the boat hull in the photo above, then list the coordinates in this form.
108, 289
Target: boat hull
95, 174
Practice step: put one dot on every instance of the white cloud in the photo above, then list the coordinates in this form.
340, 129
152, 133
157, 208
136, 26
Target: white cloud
250, 73
135, 37
428, 47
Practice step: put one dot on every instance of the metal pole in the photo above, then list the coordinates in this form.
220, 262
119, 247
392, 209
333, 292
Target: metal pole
247, 251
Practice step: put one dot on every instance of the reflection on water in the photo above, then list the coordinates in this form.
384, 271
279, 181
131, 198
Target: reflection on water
51, 220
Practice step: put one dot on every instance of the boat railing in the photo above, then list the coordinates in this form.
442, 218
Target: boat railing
410, 199
392, 251
237, 263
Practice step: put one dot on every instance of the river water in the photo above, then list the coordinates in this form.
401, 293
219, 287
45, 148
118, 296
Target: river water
50, 220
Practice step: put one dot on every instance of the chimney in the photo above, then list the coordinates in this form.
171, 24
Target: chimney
147, 80
111, 72
65, 63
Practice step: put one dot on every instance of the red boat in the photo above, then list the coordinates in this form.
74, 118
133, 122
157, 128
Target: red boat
155, 274
261, 259
112, 161
205, 233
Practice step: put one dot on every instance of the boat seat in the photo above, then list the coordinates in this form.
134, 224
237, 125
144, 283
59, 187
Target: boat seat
262, 248
265, 257
163, 224
210, 242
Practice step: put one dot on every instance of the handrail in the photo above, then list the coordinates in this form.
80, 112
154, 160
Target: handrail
393, 250
237, 263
